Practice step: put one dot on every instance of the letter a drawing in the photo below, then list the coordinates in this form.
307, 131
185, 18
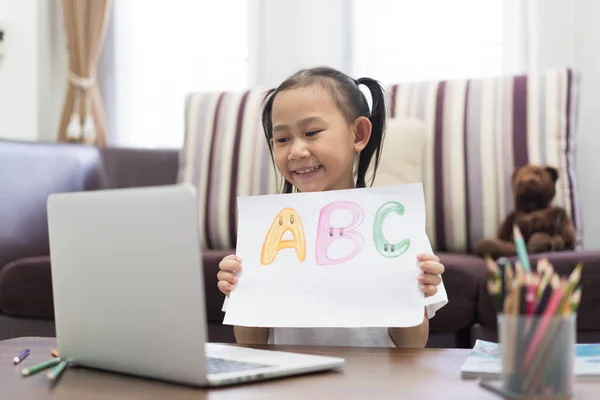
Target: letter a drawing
286, 220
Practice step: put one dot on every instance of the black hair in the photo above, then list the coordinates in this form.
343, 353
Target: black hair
350, 101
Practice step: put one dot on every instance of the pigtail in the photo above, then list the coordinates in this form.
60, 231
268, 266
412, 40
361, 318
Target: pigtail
378, 118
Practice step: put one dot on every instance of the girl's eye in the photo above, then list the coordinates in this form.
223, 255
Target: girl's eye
281, 140
312, 133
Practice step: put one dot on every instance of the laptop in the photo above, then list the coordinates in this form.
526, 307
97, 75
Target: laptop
128, 288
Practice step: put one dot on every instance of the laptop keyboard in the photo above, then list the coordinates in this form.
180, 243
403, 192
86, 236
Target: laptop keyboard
219, 365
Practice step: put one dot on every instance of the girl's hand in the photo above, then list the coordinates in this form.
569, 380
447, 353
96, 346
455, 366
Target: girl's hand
229, 267
432, 271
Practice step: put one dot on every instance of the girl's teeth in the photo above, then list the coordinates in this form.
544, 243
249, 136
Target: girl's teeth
307, 170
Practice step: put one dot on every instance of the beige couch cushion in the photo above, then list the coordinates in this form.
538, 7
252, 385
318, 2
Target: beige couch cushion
402, 155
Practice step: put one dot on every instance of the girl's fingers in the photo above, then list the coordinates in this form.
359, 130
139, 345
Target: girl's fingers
432, 267
428, 257
225, 287
230, 265
226, 276
427, 279
429, 290
233, 257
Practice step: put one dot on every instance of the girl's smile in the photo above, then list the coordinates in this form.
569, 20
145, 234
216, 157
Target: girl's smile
306, 173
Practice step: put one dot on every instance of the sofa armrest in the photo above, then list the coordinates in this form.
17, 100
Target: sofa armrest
588, 313
29, 173
26, 288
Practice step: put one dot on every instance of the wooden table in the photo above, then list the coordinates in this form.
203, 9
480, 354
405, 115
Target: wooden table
369, 374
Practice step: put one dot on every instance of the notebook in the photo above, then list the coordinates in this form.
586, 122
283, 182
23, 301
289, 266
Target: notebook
484, 361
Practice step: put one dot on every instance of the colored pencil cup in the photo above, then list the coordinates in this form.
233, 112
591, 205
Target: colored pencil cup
538, 355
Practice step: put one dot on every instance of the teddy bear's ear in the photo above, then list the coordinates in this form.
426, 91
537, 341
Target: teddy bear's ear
553, 172
514, 174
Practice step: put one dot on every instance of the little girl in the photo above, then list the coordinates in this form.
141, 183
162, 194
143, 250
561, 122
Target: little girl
323, 136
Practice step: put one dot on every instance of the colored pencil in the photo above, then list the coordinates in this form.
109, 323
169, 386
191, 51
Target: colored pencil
563, 306
571, 285
503, 264
40, 367
492, 268
575, 300
521, 248
21, 356
556, 362
552, 362
543, 343
56, 372
509, 275
494, 288
545, 321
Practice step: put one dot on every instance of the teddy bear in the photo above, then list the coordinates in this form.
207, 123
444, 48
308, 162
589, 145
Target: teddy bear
545, 227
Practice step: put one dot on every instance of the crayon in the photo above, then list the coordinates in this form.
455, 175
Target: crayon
40, 367
21, 356
56, 372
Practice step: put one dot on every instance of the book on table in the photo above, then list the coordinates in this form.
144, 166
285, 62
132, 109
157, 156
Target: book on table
484, 361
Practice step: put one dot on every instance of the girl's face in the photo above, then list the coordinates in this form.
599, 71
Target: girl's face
313, 145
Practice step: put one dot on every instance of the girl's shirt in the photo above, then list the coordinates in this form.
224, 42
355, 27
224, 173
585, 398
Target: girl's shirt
355, 337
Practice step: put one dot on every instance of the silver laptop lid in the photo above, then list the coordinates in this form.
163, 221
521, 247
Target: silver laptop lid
128, 281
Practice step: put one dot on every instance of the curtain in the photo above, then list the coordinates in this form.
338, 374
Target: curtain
286, 36
83, 118
151, 59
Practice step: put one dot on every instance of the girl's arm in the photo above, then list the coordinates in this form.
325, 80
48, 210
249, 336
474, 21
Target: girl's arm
413, 337
251, 335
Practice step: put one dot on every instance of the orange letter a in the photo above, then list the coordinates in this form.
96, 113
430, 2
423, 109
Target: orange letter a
286, 220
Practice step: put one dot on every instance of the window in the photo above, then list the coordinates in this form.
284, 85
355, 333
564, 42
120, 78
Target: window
164, 49
406, 40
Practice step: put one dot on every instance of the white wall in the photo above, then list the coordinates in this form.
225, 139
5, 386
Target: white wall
567, 34
587, 60
32, 71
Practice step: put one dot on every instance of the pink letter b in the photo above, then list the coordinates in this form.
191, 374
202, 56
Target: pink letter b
326, 234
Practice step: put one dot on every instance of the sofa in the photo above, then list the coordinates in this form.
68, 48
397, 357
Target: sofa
29, 172
224, 155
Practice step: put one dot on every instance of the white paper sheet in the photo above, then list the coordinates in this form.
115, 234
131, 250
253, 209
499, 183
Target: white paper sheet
324, 277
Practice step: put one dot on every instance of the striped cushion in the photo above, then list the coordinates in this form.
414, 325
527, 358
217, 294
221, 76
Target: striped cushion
478, 131
224, 155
